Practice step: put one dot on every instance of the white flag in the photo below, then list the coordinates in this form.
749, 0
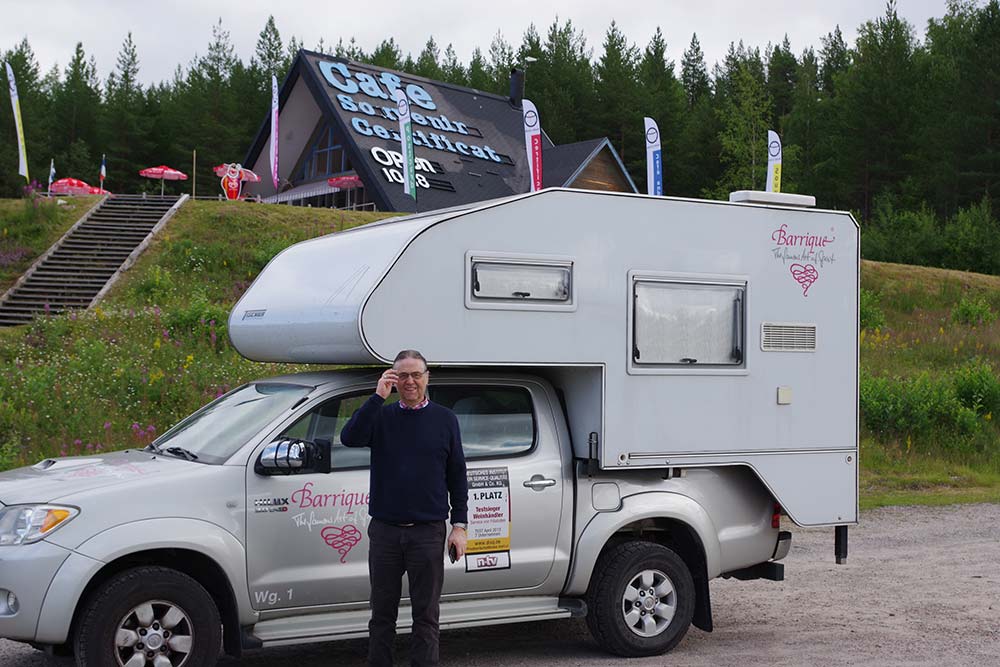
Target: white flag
274, 131
52, 171
533, 144
15, 104
773, 162
654, 158
406, 143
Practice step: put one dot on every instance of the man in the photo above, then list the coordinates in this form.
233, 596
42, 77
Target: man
417, 465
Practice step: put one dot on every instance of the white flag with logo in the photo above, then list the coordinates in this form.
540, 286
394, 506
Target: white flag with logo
15, 104
406, 143
654, 158
533, 144
274, 131
773, 162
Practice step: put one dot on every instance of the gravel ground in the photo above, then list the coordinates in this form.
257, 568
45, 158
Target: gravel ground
921, 587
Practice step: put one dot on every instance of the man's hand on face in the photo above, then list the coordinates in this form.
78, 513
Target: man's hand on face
386, 383
458, 537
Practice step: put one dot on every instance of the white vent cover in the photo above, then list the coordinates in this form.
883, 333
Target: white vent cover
779, 337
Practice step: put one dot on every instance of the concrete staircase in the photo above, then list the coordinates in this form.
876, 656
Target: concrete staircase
77, 271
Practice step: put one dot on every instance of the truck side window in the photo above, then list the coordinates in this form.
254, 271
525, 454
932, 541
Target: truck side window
679, 323
495, 421
325, 421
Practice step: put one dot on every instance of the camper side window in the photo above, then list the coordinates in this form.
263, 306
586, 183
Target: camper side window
682, 324
508, 282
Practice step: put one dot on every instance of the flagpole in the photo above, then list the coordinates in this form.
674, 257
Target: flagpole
194, 171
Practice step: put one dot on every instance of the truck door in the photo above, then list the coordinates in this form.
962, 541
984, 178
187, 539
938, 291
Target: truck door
307, 540
516, 486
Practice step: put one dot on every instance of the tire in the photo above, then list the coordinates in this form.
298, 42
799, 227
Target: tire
621, 614
165, 611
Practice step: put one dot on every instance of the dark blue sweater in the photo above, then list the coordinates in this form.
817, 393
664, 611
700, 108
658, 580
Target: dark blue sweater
417, 461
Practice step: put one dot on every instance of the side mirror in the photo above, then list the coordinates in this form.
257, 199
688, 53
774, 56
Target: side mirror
288, 456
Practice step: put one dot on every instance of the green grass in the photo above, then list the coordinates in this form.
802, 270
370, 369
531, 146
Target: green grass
157, 348
29, 226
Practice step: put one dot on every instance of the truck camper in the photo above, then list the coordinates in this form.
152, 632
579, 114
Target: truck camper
644, 386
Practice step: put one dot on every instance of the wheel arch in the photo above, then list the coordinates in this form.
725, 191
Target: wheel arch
672, 520
203, 551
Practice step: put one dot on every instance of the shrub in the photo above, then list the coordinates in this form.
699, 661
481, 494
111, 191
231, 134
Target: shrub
914, 406
977, 387
974, 311
872, 316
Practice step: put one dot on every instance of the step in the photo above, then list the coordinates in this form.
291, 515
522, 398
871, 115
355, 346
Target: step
28, 289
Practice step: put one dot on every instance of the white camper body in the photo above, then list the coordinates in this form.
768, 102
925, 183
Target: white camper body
682, 333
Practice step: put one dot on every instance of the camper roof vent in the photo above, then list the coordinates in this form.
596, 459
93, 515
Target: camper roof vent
778, 337
774, 198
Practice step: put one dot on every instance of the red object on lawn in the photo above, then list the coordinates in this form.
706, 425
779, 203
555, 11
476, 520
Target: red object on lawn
163, 173
245, 174
70, 186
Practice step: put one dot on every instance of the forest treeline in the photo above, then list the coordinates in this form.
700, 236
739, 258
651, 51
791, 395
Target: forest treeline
901, 128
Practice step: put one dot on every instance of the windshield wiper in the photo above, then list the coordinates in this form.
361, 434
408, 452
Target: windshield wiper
181, 452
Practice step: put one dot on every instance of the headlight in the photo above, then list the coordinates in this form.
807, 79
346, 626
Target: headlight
24, 524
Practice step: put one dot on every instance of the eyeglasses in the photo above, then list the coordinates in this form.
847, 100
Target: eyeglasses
416, 375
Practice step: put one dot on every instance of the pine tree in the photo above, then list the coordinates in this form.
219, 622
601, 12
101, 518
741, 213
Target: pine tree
427, 62
781, 73
479, 75
500, 62
387, 54
452, 70
616, 92
77, 107
694, 73
662, 98
269, 55
835, 58
125, 126
745, 116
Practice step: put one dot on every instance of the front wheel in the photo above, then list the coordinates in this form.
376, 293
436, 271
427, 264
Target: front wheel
149, 616
641, 599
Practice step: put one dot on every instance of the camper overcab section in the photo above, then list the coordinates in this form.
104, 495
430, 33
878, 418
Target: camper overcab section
680, 333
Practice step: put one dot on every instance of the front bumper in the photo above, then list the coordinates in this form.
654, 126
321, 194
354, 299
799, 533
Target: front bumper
27, 570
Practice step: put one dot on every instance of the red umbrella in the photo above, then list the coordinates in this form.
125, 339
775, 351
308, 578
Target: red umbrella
70, 186
98, 191
344, 182
163, 173
245, 174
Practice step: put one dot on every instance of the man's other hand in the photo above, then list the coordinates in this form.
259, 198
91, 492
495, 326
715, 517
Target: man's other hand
458, 537
386, 383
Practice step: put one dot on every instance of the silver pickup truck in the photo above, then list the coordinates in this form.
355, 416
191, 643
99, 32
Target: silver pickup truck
244, 526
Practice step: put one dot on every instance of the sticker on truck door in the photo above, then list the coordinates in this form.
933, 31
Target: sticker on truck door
488, 546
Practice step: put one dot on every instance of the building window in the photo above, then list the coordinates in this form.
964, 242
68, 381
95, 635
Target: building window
688, 324
326, 157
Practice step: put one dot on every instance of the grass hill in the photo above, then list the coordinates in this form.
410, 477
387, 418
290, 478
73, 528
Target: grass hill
157, 349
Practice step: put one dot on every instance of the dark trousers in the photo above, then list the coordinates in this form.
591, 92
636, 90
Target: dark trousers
418, 551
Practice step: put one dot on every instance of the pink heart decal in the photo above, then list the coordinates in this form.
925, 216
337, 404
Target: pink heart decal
341, 538
805, 276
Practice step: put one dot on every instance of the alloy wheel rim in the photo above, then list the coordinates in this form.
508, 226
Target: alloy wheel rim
157, 633
649, 603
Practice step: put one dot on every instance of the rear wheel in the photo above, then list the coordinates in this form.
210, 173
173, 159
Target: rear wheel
149, 616
641, 599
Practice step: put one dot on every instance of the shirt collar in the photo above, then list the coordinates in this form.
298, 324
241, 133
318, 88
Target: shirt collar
419, 406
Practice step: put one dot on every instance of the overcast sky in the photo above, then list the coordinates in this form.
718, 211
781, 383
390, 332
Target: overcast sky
169, 33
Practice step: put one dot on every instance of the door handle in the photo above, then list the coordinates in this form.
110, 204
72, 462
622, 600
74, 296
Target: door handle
538, 482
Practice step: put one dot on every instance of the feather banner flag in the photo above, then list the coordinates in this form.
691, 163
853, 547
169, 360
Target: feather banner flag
773, 162
52, 172
15, 103
533, 144
654, 158
274, 131
406, 143
104, 169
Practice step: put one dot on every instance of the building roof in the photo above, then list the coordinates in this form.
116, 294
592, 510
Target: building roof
469, 144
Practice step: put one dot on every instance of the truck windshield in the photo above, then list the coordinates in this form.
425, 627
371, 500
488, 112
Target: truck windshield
216, 431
